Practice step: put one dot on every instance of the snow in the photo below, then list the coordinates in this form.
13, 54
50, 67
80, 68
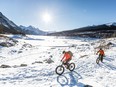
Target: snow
109, 24
32, 30
36, 50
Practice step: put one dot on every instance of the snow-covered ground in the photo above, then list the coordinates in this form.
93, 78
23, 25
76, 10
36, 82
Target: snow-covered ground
36, 51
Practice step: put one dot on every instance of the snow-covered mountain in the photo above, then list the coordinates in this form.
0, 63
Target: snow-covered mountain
7, 26
111, 24
32, 30
99, 31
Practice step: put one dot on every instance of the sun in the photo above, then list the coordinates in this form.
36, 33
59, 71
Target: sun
47, 17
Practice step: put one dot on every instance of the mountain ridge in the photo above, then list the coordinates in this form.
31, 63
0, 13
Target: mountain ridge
101, 31
9, 27
32, 30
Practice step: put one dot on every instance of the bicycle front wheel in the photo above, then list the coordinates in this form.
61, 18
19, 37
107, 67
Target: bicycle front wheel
59, 70
97, 60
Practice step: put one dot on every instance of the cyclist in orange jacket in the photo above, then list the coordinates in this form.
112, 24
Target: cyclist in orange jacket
66, 58
101, 54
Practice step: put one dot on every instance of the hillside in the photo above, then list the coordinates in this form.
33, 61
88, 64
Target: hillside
99, 31
8, 27
32, 30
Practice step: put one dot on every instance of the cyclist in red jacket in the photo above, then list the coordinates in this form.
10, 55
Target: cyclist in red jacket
67, 57
101, 54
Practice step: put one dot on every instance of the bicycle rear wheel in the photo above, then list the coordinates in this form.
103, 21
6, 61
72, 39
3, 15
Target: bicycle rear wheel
71, 66
59, 70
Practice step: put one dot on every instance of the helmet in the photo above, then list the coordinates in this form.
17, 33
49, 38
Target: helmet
100, 48
63, 52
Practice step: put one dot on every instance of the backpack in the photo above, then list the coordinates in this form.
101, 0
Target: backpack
71, 54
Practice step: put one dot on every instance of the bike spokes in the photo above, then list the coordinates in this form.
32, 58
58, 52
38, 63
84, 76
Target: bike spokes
59, 70
71, 66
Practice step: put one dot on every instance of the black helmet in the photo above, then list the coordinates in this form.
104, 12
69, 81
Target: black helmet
63, 52
100, 48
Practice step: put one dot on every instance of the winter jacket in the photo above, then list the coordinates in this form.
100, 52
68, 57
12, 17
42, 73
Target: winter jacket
66, 56
101, 52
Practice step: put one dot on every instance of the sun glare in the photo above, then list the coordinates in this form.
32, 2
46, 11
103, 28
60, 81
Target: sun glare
47, 17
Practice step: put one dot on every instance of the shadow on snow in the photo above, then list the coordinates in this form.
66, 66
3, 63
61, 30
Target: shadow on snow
71, 79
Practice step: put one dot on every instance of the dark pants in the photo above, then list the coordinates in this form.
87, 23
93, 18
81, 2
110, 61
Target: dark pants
101, 57
66, 62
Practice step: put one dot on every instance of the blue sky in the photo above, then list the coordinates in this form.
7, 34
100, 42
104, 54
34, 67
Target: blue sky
65, 14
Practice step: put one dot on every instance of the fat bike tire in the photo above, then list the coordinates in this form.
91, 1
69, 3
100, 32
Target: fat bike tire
59, 70
71, 66
97, 60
